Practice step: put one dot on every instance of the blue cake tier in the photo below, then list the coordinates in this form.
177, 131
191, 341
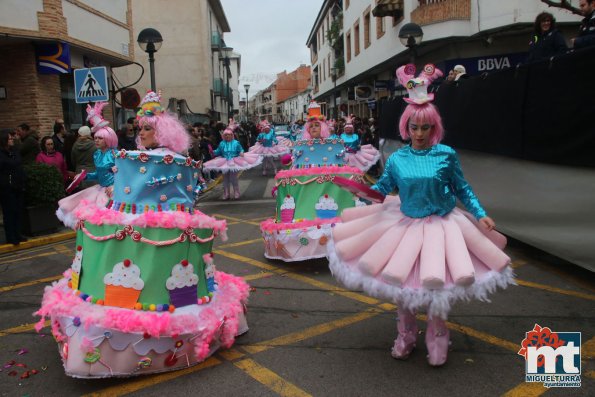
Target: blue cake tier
156, 180
318, 152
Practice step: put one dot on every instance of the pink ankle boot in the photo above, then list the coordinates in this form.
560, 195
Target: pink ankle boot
236, 194
437, 341
225, 194
405, 342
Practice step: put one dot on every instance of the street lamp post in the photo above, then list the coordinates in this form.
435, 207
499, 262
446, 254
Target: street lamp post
410, 36
150, 41
334, 102
247, 88
226, 53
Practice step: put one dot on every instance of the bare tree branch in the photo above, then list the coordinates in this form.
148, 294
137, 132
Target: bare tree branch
564, 4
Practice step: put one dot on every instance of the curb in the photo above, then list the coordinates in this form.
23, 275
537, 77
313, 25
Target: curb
38, 241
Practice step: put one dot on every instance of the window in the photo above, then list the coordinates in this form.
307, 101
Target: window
323, 32
367, 27
330, 67
348, 45
356, 38
346, 4
380, 26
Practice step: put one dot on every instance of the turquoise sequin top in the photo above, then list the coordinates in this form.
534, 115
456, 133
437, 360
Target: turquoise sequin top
229, 149
429, 182
104, 161
267, 139
351, 142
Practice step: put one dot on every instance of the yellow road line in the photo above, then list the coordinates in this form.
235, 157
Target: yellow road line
247, 260
34, 242
231, 218
24, 258
588, 349
270, 379
311, 332
22, 328
527, 389
29, 283
148, 381
544, 287
231, 354
518, 263
256, 240
333, 288
257, 276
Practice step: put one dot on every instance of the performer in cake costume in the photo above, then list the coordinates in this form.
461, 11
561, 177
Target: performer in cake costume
420, 251
308, 202
230, 160
268, 147
106, 142
143, 295
360, 156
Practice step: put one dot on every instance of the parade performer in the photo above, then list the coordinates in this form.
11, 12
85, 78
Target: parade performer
332, 126
268, 147
360, 156
308, 202
420, 251
106, 142
230, 159
143, 295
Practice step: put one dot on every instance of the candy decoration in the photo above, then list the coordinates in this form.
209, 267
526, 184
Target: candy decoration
170, 361
304, 241
93, 357
144, 362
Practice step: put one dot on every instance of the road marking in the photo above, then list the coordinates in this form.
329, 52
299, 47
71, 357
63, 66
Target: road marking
311, 332
257, 240
247, 260
24, 258
148, 381
29, 283
544, 287
258, 276
231, 218
270, 379
231, 354
518, 263
588, 349
527, 389
22, 328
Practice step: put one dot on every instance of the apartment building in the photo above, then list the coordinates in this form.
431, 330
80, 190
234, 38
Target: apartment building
354, 54
43, 41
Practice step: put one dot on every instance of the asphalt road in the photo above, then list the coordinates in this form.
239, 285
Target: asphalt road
308, 336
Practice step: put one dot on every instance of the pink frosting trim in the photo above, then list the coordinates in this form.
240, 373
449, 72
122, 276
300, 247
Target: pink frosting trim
167, 219
271, 226
318, 171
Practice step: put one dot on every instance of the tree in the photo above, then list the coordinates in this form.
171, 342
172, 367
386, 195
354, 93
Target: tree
564, 4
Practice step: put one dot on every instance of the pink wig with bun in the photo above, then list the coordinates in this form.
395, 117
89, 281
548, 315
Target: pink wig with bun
422, 114
109, 136
324, 130
169, 131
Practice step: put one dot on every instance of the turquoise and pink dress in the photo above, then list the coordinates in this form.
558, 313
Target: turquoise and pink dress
268, 146
229, 158
418, 249
359, 156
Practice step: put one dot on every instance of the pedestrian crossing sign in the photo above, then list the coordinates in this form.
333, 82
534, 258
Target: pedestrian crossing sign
90, 85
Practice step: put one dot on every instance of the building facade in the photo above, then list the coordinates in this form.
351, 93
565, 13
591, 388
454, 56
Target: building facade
354, 54
43, 41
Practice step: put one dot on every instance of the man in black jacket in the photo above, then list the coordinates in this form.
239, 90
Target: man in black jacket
586, 36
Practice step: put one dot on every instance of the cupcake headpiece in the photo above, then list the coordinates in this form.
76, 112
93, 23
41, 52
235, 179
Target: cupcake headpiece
150, 105
417, 87
314, 112
95, 116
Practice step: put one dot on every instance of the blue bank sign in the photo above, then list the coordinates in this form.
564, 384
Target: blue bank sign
490, 63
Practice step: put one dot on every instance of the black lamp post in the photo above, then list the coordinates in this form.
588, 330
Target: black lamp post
411, 35
334, 102
150, 41
247, 87
225, 54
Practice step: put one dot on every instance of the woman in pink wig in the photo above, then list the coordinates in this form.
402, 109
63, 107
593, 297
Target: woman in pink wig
106, 142
420, 251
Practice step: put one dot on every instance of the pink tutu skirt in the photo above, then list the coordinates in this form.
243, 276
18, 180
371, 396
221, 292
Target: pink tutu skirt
96, 194
240, 163
418, 262
273, 151
364, 158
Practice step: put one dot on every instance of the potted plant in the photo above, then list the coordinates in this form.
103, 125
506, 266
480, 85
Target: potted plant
43, 188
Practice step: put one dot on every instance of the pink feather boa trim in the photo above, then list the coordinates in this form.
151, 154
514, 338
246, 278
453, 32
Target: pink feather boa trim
167, 219
271, 226
318, 171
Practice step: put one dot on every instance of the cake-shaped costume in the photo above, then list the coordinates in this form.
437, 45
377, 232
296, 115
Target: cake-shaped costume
357, 155
419, 250
106, 141
230, 160
308, 202
140, 297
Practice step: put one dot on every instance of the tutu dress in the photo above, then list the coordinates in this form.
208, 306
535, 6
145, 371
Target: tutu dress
229, 159
268, 146
420, 251
362, 157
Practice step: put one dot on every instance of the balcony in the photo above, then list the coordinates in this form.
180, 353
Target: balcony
216, 41
217, 86
434, 11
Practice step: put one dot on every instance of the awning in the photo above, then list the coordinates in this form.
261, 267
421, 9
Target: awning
388, 8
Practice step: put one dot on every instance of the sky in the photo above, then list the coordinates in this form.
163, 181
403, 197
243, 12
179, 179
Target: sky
270, 35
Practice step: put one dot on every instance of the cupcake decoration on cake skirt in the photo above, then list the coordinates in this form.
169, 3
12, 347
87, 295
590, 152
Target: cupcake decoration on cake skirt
123, 285
182, 284
76, 267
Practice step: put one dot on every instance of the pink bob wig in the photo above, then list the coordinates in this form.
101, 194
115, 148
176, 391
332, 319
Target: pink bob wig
426, 113
109, 136
324, 129
169, 132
